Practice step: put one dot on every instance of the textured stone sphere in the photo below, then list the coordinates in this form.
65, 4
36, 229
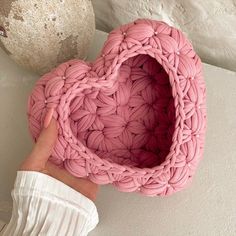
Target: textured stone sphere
42, 34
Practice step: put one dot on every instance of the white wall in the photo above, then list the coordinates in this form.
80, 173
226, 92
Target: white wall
211, 25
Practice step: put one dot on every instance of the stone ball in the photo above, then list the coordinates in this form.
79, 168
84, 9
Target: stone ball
39, 35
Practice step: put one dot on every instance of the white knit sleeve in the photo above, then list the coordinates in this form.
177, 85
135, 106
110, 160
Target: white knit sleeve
45, 206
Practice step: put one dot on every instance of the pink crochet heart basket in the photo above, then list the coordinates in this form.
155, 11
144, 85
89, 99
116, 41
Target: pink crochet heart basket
136, 117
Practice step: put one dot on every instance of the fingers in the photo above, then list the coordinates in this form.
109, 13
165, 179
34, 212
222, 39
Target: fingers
45, 143
42, 149
84, 186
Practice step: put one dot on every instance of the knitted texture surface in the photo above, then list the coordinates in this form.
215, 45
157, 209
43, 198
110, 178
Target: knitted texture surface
135, 117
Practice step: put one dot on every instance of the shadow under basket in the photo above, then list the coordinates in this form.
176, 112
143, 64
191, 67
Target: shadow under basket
136, 117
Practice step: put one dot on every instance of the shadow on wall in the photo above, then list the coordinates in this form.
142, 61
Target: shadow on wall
208, 24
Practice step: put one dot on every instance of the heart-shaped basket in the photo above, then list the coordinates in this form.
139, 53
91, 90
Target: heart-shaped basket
136, 117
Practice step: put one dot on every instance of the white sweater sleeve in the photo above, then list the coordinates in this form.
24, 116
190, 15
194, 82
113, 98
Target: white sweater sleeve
44, 206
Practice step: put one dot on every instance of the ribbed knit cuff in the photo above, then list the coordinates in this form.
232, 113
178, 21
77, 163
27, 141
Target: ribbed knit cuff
41, 198
39, 182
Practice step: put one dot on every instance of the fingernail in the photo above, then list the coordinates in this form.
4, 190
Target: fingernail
48, 117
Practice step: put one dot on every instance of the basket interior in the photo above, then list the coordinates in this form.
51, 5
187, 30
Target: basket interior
131, 123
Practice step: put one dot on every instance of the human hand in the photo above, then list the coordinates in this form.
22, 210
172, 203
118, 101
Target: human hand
38, 161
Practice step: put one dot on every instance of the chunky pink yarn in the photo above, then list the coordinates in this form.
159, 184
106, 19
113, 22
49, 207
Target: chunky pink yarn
136, 117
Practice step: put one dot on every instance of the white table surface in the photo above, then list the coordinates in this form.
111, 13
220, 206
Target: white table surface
207, 208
